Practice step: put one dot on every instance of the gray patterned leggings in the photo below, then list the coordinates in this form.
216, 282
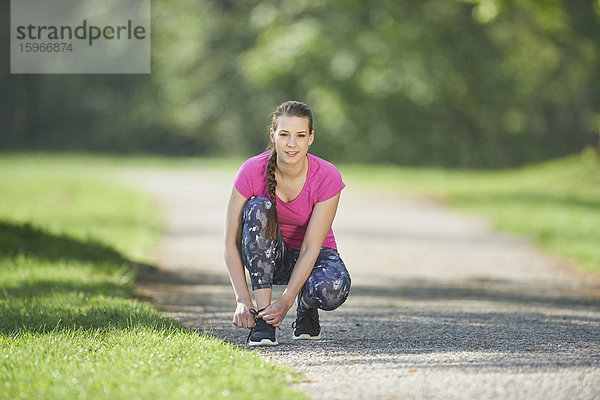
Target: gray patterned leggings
270, 262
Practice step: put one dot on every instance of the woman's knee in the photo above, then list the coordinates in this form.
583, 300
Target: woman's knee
332, 293
257, 204
337, 295
255, 211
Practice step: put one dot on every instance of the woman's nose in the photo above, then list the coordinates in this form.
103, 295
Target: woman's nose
291, 142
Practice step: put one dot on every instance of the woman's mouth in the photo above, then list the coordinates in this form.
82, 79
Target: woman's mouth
292, 153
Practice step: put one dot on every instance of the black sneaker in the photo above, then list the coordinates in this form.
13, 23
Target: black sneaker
262, 334
307, 325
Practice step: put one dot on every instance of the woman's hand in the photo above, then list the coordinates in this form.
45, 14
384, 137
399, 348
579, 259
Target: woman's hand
276, 312
243, 318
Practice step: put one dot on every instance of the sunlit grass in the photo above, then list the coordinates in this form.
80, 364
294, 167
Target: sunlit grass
557, 204
133, 362
69, 327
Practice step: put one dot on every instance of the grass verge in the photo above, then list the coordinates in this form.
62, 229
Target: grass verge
69, 327
557, 203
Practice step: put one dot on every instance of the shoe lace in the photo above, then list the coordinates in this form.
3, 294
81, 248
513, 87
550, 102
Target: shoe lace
257, 321
255, 313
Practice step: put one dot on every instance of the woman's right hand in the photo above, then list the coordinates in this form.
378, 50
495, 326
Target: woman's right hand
243, 318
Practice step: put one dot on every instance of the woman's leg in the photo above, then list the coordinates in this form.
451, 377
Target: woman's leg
262, 255
328, 285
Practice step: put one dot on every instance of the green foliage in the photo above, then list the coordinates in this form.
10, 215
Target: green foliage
467, 83
70, 329
557, 203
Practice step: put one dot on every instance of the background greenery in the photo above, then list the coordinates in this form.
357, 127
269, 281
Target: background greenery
460, 83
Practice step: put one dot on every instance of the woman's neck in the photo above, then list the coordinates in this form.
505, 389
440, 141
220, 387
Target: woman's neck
293, 171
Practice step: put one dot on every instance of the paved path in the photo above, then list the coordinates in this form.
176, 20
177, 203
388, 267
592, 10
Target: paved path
440, 307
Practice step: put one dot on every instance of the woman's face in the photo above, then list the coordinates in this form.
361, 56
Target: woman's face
292, 139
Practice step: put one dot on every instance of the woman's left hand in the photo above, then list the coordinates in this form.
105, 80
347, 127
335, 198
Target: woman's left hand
276, 312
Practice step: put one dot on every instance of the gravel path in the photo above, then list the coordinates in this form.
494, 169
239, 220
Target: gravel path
440, 307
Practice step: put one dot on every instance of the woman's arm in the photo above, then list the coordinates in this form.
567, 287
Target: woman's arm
233, 234
316, 232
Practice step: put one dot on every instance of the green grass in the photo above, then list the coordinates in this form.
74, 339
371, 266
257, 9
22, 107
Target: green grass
69, 328
557, 203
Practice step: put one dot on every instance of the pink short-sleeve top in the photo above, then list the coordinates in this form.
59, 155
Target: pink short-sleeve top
323, 181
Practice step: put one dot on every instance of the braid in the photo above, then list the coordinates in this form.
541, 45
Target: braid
294, 109
272, 219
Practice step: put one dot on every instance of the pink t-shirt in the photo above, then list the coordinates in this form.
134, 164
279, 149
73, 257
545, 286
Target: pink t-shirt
323, 181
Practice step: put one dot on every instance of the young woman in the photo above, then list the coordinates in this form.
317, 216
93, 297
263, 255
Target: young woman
278, 226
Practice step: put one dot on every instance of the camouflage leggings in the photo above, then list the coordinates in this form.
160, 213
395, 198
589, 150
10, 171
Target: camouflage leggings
270, 262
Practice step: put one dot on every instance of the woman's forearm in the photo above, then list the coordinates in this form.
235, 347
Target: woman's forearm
235, 269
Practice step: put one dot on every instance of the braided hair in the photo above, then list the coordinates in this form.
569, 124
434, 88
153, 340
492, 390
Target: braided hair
290, 109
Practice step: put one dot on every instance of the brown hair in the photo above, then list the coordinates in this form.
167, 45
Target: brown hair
290, 109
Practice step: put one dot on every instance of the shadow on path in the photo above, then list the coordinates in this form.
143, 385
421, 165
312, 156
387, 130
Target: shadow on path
389, 325
481, 290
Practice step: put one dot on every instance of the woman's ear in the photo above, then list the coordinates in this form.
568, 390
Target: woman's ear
311, 137
272, 135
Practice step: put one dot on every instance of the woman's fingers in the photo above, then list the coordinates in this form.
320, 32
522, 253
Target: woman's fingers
274, 314
266, 311
274, 319
245, 320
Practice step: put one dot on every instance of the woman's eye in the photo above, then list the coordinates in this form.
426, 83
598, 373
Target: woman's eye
301, 135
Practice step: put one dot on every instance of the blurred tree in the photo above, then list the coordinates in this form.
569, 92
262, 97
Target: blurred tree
470, 83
